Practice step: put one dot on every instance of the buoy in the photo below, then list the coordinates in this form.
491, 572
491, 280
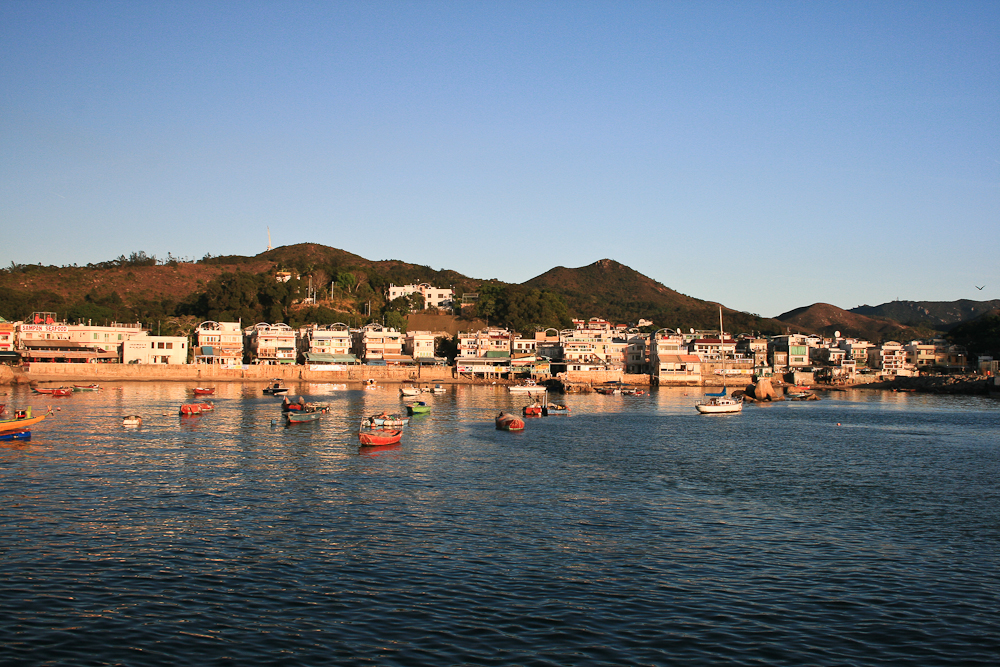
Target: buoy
838, 423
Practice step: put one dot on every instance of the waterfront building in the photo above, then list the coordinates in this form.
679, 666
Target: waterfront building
271, 344
146, 349
419, 345
8, 342
43, 339
219, 343
479, 343
379, 346
327, 347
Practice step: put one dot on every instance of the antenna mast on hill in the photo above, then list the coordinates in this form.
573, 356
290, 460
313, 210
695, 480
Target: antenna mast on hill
269, 238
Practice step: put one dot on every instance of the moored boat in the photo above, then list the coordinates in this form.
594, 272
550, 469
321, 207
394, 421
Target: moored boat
417, 408
23, 434
438, 389
191, 409
21, 421
203, 391
534, 410
131, 421
54, 391
410, 391
556, 409
299, 417
86, 387
508, 422
275, 388
719, 404
384, 420
528, 387
380, 437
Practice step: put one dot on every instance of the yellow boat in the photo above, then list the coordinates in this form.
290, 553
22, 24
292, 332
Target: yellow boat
22, 420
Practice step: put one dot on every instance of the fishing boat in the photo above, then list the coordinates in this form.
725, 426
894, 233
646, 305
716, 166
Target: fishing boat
386, 420
299, 417
556, 409
370, 384
275, 389
438, 389
203, 391
529, 387
191, 409
131, 421
609, 390
86, 387
206, 407
508, 422
533, 410
21, 421
719, 403
24, 434
379, 437
55, 391
417, 408
410, 391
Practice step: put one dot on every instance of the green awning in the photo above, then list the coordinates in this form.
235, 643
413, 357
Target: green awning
327, 358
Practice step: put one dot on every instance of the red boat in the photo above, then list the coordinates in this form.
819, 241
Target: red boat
380, 436
204, 391
196, 408
508, 422
532, 411
55, 391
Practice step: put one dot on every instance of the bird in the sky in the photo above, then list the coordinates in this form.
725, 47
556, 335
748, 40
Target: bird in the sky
980, 288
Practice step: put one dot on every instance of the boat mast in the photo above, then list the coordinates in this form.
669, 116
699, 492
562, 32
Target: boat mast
722, 349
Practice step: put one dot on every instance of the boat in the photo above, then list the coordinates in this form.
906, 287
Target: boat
21, 421
275, 389
379, 437
55, 391
417, 408
633, 391
508, 422
529, 387
299, 417
206, 407
370, 384
384, 420
608, 390
86, 387
410, 391
191, 409
131, 421
556, 409
24, 434
203, 391
438, 389
719, 403
533, 410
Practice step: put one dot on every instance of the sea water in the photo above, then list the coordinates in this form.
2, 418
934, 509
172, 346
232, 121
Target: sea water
860, 529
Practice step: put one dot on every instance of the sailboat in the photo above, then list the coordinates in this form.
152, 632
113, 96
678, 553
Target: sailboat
718, 403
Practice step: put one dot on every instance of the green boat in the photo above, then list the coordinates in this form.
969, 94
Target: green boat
417, 408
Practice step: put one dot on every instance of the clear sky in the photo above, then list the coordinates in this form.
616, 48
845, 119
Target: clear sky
766, 155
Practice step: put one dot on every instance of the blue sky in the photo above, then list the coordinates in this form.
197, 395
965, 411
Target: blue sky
765, 155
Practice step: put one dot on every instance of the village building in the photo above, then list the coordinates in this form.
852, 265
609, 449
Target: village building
434, 297
219, 343
327, 347
271, 344
379, 346
419, 345
43, 339
163, 350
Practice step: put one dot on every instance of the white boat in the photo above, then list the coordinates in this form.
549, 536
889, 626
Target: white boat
529, 387
131, 421
410, 391
720, 403
437, 389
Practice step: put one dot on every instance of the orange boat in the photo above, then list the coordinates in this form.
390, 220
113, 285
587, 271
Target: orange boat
195, 408
204, 391
21, 421
532, 411
508, 422
379, 437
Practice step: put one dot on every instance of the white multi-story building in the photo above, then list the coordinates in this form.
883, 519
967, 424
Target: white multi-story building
327, 345
43, 339
481, 343
271, 344
145, 349
378, 345
434, 297
219, 343
419, 344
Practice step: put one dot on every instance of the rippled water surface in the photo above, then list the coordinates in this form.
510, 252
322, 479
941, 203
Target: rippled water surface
860, 529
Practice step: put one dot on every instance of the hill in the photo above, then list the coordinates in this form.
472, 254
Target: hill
621, 294
826, 319
981, 335
939, 315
